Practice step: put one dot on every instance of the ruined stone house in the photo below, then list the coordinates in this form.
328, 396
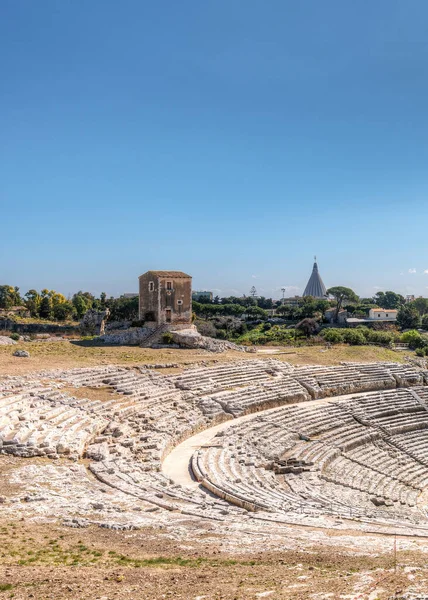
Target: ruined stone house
165, 298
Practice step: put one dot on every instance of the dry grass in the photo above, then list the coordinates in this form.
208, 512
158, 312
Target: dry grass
52, 355
311, 355
103, 393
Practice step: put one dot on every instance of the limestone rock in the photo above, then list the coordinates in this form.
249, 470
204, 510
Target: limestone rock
133, 336
6, 341
94, 321
190, 338
22, 353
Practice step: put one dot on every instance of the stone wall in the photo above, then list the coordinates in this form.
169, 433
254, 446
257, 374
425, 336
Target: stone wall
8, 325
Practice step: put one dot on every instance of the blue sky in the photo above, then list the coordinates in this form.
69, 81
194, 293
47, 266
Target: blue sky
232, 140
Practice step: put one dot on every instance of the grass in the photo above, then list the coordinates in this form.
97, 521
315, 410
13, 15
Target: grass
31, 320
53, 355
341, 353
56, 552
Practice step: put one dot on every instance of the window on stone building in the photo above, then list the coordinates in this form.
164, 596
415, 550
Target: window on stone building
169, 285
179, 302
151, 286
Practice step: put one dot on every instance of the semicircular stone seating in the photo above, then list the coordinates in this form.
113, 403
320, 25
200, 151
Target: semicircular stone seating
362, 455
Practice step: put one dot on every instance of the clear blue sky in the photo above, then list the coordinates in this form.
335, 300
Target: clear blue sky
229, 139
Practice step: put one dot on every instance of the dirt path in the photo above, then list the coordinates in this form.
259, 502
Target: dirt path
176, 465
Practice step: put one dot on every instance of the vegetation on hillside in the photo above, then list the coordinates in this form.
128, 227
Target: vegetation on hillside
52, 306
246, 319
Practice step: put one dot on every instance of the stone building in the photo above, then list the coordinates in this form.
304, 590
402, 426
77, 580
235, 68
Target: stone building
204, 295
382, 314
165, 298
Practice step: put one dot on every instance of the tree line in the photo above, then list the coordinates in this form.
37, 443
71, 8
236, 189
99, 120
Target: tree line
49, 304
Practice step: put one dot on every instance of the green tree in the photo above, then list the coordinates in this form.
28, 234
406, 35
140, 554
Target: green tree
388, 299
233, 310
123, 309
32, 302
7, 296
265, 303
82, 301
421, 305
425, 322
17, 300
254, 312
408, 317
341, 294
45, 310
63, 311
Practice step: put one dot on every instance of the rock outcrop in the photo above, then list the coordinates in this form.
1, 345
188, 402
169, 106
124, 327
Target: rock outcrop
94, 322
192, 339
133, 336
6, 341
22, 353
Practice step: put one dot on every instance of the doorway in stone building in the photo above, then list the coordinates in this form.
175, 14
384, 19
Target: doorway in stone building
168, 315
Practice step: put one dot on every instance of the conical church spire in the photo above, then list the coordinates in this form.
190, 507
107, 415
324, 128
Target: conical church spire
315, 286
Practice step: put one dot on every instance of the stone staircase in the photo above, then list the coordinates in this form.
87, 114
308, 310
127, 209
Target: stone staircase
154, 336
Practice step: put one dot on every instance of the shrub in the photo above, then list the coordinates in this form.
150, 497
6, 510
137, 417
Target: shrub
381, 337
365, 331
206, 328
421, 352
353, 337
222, 334
167, 338
14, 336
308, 327
334, 336
412, 337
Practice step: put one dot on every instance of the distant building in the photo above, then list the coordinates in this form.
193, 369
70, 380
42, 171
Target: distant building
410, 298
294, 301
198, 296
315, 286
165, 297
130, 295
383, 314
15, 311
386, 315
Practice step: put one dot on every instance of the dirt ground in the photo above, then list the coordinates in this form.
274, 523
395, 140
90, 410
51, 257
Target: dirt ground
49, 561
44, 559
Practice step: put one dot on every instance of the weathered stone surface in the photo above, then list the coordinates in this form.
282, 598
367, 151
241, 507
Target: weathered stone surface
94, 322
334, 456
6, 341
128, 337
22, 353
190, 338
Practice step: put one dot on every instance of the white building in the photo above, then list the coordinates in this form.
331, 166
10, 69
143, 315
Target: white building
383, 314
